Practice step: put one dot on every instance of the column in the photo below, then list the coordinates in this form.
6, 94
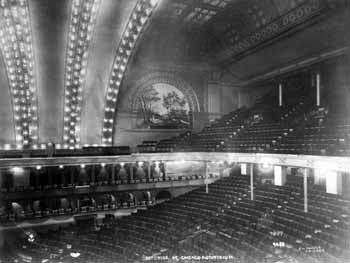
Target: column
62, 175
149, 171
113, 174
280, 175
49, 175
306, 173
280, 102
71, 174
1, 178
251, 181
131, 169
206, 174
93, 176
37, 178
164, 168
318, 90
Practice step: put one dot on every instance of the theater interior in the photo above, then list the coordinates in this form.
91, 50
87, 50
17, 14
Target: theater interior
174, 131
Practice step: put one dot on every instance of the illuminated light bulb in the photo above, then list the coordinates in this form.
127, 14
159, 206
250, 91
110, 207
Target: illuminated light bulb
7, 146
17, 170
148, 11
143, 20
61, 166
38, 167
103, 164
82, 166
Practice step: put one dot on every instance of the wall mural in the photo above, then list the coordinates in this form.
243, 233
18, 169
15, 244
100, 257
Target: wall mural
161, 106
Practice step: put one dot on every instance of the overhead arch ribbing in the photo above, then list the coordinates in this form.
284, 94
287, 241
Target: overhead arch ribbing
136, 24
17, 52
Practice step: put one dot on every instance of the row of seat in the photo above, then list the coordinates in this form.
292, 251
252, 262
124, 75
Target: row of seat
224, 222
294, 129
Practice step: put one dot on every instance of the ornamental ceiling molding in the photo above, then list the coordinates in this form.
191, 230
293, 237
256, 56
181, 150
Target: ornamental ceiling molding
138, 21
16, 47
166, 78
300, 14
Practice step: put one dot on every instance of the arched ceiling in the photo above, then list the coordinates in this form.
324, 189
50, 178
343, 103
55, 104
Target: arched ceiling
63, 61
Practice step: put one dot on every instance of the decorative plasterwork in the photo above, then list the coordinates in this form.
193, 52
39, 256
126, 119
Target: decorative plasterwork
81, 28
17, 51
294, 17
137, 23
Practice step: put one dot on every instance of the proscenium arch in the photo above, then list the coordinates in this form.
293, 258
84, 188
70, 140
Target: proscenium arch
170, 79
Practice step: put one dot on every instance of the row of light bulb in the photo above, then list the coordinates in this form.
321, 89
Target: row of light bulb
83, 20
17, 169
137, 21
17, 51
43, 146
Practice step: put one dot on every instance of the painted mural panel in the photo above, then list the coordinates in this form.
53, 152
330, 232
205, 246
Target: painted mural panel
161, 106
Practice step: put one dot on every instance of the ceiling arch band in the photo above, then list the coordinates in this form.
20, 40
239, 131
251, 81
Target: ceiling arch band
17, 51
136, 24
81, 28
